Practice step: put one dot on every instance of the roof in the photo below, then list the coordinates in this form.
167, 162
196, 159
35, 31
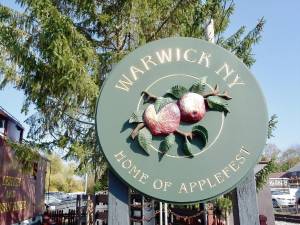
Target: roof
7, 115
277, 175
296, 168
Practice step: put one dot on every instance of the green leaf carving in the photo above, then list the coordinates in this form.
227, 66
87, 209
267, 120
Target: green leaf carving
136, 117
161, 102
145, 139
167, 143
198, 87
187, 148
177, 91
216, 103
201, 132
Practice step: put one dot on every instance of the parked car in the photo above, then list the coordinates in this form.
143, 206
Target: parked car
57, 194
51, 202
73, 195
283, 198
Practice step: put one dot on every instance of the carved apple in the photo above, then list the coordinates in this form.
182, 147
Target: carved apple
164, 122
192, 107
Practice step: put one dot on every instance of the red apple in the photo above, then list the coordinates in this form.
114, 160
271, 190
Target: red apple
164, 122
192, 107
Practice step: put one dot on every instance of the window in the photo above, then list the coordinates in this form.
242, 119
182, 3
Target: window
2, 126
34, 170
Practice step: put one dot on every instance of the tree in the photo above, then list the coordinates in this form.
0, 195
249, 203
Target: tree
270, 154
290, 158
60, 51
271, 151
62, 176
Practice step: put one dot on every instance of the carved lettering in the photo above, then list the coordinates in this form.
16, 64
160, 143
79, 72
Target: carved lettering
146, 61
120, 156
204, 58
164, 56
134, 71
186, 55
183, 189
124, 84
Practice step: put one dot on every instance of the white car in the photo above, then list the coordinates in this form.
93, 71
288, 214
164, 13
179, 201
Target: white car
51, 202
283, 198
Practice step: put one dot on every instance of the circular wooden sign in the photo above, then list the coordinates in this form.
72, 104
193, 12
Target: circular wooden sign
181, 120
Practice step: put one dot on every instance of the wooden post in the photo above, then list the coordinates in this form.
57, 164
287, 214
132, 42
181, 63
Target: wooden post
118, 209
245, 209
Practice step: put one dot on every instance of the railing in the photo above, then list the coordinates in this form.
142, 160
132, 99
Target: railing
87, 209
294, 182
58, 217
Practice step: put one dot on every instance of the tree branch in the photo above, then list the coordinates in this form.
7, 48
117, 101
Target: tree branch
80, 121
165, 21
223, 18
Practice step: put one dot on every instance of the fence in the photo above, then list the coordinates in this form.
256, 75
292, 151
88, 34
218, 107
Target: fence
92, 209
89, 210
58, 217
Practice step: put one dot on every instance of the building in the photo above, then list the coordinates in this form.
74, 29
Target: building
292, 175
10, 127
21, 193
294, 172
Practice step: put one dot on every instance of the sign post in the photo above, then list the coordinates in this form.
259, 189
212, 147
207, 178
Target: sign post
118, 209
245, 210
181, 120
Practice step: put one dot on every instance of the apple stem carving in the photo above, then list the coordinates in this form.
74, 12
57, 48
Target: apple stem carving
216, 92
163, 116
136, 130
188, 135
149, 97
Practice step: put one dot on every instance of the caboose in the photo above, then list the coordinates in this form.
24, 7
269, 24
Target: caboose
21, 193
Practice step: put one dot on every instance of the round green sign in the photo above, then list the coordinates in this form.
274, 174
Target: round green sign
181, 120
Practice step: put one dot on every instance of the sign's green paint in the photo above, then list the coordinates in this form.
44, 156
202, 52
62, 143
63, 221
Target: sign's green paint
234, 142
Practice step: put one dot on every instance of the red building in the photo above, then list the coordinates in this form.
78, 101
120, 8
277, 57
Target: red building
21, 193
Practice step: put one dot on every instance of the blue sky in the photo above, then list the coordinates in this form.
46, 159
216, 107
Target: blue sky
276, 68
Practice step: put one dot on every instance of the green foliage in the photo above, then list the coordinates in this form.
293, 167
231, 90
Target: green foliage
25, 155
59, 52
94, 186
161, 102
201, 132
198, 87
62, 176
216, 103
289, 158
272, 156
242, 46
263, 175
177, 91
282, 160
136, 117
187, 148
222, 207
272, 125
100, 185
167, 143
145, 139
